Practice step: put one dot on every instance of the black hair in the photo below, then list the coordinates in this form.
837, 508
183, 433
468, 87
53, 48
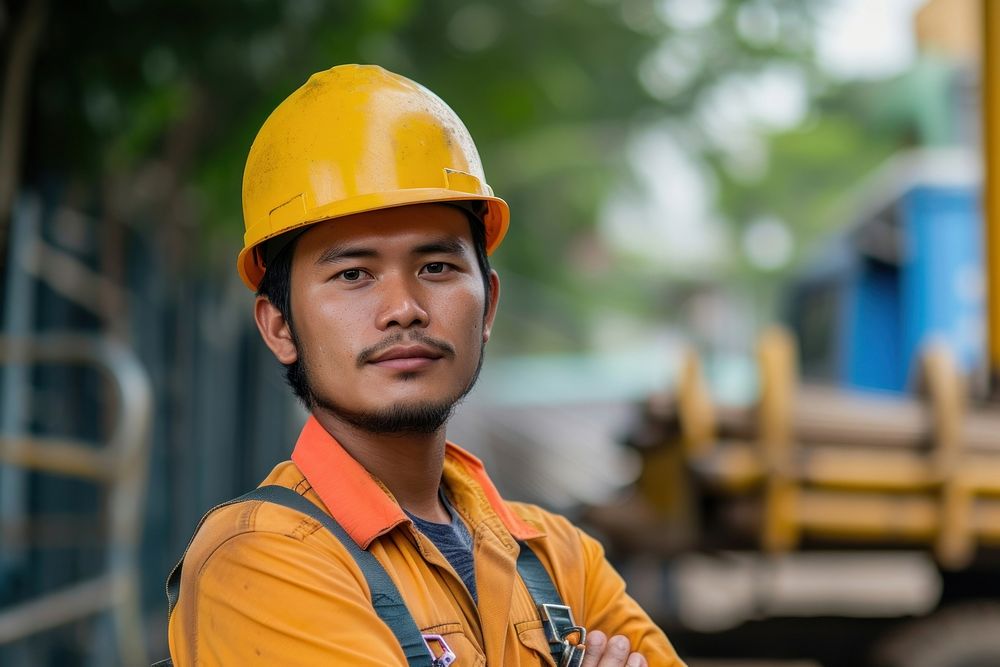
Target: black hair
276, 287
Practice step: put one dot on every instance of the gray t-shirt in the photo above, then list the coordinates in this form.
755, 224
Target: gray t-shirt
454, 542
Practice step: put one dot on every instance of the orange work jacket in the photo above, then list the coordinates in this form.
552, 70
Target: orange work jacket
264, 585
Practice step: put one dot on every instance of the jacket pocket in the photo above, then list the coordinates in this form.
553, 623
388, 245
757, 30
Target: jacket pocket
532, 637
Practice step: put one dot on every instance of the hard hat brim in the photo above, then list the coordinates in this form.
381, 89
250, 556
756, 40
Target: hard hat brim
250, 264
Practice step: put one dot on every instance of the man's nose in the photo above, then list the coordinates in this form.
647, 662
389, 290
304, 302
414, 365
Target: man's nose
401, 305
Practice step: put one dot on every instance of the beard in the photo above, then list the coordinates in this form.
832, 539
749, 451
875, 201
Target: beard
401, 419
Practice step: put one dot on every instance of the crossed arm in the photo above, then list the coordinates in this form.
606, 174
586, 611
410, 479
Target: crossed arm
620, 633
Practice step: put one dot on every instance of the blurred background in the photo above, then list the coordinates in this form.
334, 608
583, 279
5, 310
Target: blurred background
743, 333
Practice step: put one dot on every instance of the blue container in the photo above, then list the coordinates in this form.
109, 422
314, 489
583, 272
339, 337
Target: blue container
943, 277
910, 273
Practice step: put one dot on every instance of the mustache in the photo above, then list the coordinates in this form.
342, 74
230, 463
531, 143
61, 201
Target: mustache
441, 346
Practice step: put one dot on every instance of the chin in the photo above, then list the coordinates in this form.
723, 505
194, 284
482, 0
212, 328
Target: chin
401, 418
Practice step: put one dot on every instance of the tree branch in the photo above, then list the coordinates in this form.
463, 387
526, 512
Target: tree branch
14, 105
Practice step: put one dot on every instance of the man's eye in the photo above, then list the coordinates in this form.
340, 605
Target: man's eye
351, 275
436, 267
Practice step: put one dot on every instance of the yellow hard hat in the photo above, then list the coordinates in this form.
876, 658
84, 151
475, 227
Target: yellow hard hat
358, 138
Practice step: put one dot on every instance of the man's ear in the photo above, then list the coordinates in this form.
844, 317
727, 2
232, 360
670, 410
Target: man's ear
491, 307
275, 331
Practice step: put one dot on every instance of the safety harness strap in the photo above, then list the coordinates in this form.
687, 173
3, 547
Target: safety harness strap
536, 578
387, 601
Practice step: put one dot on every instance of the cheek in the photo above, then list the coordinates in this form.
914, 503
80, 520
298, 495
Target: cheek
472, 323
464, 310
326, 334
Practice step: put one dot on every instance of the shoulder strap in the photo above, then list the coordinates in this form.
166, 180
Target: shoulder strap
386, 599
543, 592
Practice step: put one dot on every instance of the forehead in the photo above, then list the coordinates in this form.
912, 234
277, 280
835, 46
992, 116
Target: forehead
392, 228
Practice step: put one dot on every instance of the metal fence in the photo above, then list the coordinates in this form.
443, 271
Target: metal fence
220, 418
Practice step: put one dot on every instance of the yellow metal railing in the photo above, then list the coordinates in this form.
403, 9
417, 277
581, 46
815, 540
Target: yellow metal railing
991, 181
836, 465
119, 465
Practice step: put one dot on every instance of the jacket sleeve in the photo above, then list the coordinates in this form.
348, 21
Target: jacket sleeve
265, 598
610, 609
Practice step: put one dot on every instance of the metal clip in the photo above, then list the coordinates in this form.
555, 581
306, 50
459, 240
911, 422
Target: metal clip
555, 619
442, 656
572, 654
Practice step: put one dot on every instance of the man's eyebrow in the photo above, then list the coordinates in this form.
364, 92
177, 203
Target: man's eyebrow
445, 246
338, 253
341, 252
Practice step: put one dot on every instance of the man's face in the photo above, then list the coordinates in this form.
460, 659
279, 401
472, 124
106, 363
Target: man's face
390, 315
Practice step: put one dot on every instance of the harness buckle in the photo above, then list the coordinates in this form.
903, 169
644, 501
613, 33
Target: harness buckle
556, 619
442, 655
573, 653
560, 628
572, 656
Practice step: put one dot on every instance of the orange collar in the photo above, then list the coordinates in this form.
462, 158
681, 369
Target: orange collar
360, 504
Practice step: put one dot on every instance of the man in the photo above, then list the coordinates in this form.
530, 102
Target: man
368, 226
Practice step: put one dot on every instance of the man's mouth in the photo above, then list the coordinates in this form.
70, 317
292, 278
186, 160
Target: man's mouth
406, 357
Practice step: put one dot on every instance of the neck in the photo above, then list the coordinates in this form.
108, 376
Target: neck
408, 464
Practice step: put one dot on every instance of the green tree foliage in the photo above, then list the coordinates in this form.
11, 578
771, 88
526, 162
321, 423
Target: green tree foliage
146, 108
816, 170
